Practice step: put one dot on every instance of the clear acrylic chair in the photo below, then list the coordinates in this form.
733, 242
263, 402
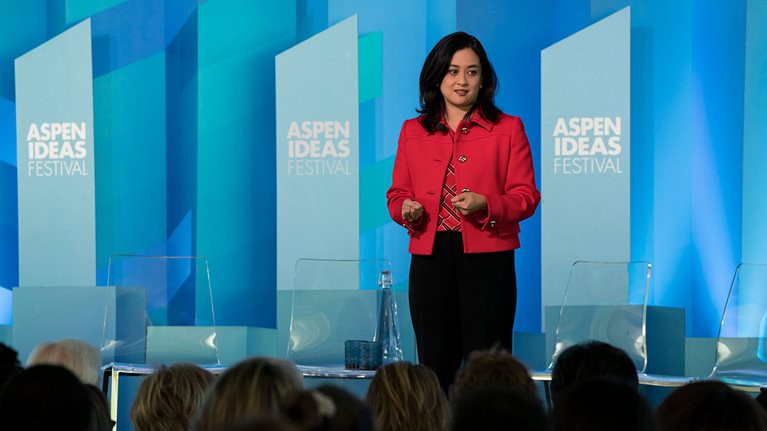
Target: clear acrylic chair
162, 313
332, 301
603, 301
741, 357
607, 301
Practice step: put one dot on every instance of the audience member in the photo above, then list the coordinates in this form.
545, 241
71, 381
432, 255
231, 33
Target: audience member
710, 405
601, 404
254, 387
77, 356
590, 360
762, 398
408, 397
169, 399
499, 407
100, 417
262, 423
328, 408
491, 367
44, 397
9, 364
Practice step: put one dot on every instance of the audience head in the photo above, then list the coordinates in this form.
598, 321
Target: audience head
491, 367
9, 364
499, 407
710, 405
263, 423
77, 356
100, 418
44, 397
170, 398
408, 397
590, 360
601, 404
251, 388
328, 408
762, 398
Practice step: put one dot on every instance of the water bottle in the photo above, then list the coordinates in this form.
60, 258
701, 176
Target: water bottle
387, 330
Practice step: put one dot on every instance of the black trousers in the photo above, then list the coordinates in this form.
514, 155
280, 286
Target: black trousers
460, 303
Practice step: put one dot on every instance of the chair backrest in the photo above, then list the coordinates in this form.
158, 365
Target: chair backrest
332, 301
605, 301
162, 313
740, 349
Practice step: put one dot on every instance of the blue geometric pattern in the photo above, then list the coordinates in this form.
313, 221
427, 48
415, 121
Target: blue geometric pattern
194, 81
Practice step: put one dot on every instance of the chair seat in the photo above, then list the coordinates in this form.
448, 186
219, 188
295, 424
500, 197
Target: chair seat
334, 372
664, 381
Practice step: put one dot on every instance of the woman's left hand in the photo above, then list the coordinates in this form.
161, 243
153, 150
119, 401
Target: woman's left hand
469, 202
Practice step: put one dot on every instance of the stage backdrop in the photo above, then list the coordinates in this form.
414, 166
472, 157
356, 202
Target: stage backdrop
585, 151
54, 124
318, 150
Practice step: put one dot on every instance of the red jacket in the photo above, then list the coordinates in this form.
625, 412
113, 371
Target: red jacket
490, 159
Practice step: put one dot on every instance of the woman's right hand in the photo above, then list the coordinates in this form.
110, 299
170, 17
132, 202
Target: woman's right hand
411, 210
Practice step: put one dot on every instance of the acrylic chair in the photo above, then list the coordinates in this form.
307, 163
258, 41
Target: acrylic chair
332, 301
741, 354
162, 313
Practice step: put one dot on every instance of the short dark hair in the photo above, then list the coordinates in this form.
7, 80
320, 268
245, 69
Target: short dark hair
491, 367
499, 407
601, 404
590, 360
434, 70
709, 405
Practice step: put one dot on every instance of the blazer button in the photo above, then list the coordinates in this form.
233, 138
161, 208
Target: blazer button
462, 159
492, 223
464, 130
464, 190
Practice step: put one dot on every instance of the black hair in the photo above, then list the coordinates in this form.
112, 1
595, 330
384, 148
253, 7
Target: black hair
589, 360
601, 404
499, 407
434, 70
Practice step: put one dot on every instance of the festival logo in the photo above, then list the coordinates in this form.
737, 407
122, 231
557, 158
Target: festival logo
57, 149
318, 148
587, 146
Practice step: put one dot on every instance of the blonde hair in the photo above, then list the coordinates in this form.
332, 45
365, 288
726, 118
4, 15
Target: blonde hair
405, 396
253, 387
168, 399
79, 357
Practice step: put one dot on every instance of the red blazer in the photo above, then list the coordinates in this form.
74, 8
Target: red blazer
490, 159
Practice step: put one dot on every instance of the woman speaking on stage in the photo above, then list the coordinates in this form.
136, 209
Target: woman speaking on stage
462, 181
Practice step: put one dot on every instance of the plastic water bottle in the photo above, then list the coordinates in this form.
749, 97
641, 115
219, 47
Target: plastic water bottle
387, 329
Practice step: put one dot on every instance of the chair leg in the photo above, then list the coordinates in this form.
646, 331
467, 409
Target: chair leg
113, 398
547, 389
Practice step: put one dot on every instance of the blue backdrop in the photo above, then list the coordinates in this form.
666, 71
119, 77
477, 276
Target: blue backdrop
184, 102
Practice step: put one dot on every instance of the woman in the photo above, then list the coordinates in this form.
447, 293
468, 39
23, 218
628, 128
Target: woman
169, 399
463, 180
407, 397
254, 387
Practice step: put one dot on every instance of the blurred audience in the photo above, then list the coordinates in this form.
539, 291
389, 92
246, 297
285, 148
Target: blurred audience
601, 404
590, 360
254, 387
100, 417
491, 367
262, 423
328, 408
405, 396
498, 407
44, 397
77, 356
762, 398
9, 364
710, 405
169, 399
